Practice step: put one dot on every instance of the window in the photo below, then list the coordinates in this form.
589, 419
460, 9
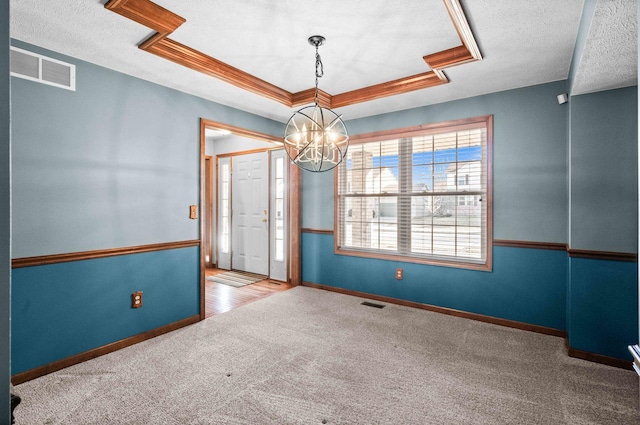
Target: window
420, 194
279, 220
225, 208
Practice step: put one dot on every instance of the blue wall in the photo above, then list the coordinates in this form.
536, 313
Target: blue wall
317, 200
64, 309
603, 295
526, 285
595, 301
603, 306
116, 161
529, 168
113, 164
604, 172
5, 220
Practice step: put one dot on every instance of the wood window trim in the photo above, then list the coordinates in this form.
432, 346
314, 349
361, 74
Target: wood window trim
420, 130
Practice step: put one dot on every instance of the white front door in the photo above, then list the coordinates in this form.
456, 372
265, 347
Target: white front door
250, 213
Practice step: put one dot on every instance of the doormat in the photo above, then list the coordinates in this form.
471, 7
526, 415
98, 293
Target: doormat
236, 278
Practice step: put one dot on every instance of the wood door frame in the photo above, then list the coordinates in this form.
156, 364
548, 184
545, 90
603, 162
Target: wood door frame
294, 204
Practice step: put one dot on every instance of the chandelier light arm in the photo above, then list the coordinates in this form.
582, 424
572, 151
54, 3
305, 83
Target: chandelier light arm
310, 118
303, 150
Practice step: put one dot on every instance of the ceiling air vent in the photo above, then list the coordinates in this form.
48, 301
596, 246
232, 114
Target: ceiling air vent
34, 67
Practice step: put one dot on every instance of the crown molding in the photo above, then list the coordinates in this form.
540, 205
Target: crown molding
164, 22
390, 88
198, 61
148, 14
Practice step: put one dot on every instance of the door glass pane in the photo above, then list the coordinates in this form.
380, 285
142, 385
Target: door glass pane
224, 208
279, 211
279, 250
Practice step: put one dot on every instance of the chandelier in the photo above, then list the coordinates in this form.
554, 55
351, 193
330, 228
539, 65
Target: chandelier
316, 138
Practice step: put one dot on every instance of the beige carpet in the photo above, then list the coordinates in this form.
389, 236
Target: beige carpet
307, 356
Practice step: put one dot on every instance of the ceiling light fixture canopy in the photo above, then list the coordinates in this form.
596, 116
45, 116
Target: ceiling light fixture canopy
316, 138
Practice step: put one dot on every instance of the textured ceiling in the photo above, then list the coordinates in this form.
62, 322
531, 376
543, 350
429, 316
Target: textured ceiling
368, 42
610, 57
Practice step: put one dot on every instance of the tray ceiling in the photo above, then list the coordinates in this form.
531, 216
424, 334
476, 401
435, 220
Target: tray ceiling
368, 43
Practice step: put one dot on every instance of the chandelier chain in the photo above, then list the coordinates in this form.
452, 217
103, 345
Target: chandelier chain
319, 72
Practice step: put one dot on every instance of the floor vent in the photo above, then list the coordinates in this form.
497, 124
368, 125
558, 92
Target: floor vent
374, 305
35, 67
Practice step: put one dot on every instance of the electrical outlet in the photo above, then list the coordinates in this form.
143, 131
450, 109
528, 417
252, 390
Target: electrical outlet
136, 299
399, 273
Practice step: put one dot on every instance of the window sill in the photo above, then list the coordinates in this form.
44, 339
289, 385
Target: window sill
485, 266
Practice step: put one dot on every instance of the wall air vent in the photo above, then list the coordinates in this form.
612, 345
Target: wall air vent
35, 67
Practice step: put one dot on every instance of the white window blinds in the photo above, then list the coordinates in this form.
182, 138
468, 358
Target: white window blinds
425, 196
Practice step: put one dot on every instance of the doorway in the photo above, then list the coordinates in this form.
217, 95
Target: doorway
252, 199
268, 215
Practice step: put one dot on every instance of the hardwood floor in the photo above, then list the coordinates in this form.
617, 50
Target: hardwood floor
221, 298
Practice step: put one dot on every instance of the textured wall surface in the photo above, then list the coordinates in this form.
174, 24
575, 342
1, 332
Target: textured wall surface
604, 173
